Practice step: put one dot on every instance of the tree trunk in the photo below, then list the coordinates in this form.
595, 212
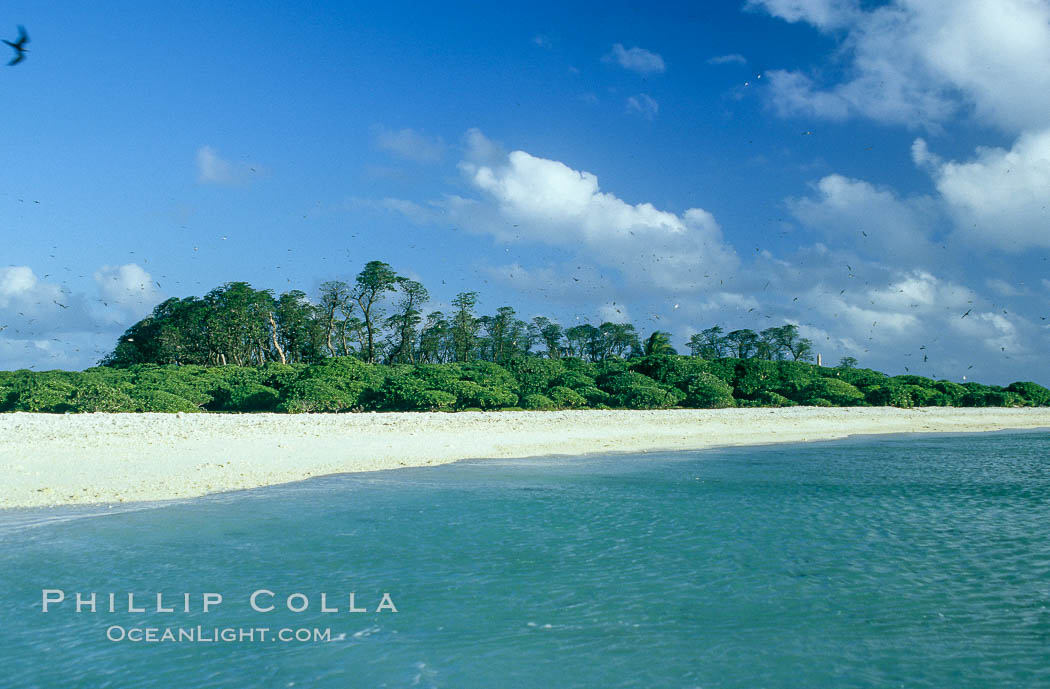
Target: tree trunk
273, 336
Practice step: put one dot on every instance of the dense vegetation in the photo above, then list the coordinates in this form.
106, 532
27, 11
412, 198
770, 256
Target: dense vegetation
345, 383
238, 349
379, 319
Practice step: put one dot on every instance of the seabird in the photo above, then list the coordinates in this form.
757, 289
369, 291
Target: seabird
19, 46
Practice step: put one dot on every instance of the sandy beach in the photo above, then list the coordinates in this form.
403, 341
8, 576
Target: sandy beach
110, 458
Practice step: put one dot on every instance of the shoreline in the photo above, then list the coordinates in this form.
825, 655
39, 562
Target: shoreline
80, 459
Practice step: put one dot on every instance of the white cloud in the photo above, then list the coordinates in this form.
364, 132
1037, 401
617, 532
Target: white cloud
15, 281
548, 202
127, 286
411, 210
731, 59
636, 59
995, 331
542, 41
613, 312
824, 14
213, 169
998, 198
572, 283
917, 63
643, 106
857, 213
1005, 289
31, 307
481, 150
410, 144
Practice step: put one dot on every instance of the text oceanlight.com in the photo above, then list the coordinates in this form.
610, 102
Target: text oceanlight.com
200, 634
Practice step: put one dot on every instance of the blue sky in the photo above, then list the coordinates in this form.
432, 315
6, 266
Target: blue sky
876, 173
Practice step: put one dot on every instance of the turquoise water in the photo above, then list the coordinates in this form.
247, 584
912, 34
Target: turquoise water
893, 562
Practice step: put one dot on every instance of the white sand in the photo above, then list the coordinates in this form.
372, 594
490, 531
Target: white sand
48, 459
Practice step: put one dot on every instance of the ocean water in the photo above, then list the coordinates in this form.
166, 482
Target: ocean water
919, 561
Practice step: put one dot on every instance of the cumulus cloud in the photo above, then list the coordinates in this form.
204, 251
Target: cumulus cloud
49, 325
213, 169
549, 202
731, 59
918, 63
856, 213
643, 105
129, 287
636, 59
409, 144
32, 307
999, 198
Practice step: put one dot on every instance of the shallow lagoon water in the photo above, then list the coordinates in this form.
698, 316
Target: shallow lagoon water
912, 561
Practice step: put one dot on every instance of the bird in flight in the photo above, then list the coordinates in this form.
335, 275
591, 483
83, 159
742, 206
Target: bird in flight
19, 46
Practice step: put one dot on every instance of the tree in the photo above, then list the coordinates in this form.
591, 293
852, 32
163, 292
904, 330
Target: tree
299, 330
658, 343
371, 285
708, 344
464, 327
579, 341
551, 335
335, 297
619, 339
847, 362
237, 322
500, 333
435, 340
404, 322
743, 343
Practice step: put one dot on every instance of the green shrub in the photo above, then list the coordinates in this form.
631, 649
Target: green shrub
471, 394
953, 393
279, 376
580, 366
888, 396
563, 397
435, 400
162, 401
921, 396
650, 397
768, 398
312, 395
488, 374
244, 397
534, 375
594, 396
669, 369
537, 402
705, 391
97, 396
723, 368
41, 392
754, 375
574, 380
1033, 393
818, 402
618, 382
838, 392
408, 393
859, 377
